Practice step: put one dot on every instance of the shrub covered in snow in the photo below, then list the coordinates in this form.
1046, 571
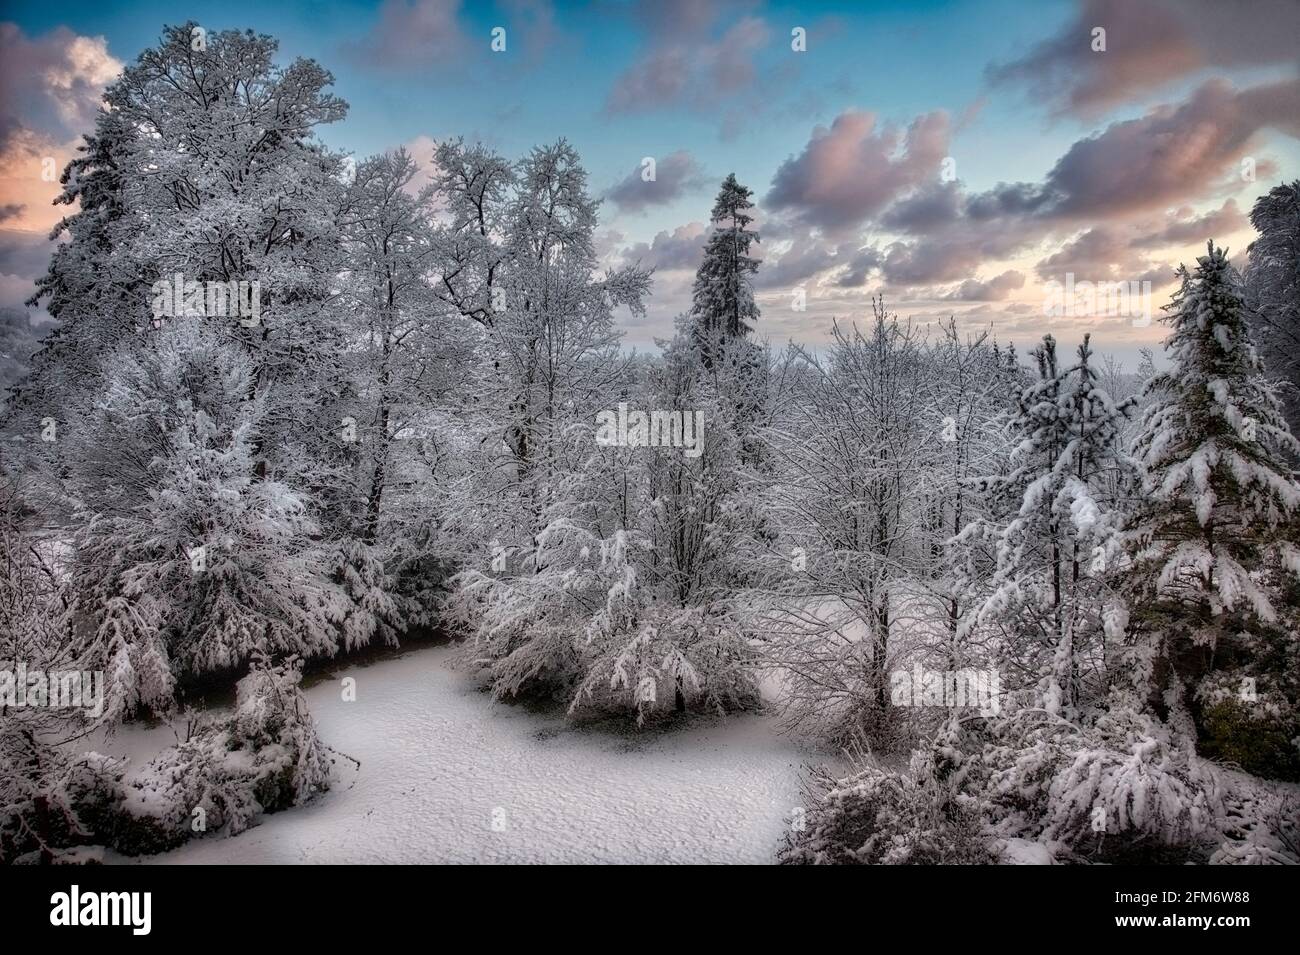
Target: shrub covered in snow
581, 626
914, 816
1262, 828
263, 758
1098, 792
1123, 789
676, 659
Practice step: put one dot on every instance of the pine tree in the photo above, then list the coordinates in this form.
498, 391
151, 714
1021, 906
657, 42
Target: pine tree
722, 299
1214, 548
1273, 289
1063, 493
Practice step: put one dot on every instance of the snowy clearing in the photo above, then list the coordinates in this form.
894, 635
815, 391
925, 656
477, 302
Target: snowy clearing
438, 758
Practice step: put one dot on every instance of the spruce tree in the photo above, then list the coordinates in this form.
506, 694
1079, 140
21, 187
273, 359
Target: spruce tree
722, 299
1273, 289
1062, 495
1214, 544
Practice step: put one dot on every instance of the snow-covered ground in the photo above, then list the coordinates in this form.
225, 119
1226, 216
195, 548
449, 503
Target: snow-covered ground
446, 775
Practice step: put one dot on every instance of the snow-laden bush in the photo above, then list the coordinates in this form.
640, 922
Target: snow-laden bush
36, 820
526, 631
263, 758
579, 623
673, 659
1124, 784
1122, 789
374, 608
919, 815
1262, 828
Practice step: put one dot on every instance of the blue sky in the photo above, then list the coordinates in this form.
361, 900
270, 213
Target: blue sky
1103, 163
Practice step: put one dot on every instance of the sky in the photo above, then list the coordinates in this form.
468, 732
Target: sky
969, 159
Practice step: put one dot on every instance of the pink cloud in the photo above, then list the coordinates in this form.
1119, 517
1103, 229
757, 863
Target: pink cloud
852, 170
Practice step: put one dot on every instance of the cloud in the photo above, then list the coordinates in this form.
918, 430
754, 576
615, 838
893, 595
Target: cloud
24, 254
928, 208
1110, 184
1165, 156
1103, 253
55, 81
1149, 45
534, 21
731, 63
675, 174
1102, 210
51, 90
796, 264
24, 257
1122, 251
26, 196
851, 171
694, 56
946, 258
1186, 228
413, 36
680, 249
800, 255
861, 263
994, 290
1170, 153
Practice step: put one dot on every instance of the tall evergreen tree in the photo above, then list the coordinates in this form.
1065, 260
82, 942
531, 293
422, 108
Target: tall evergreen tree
722, 299
1063, 494
1273, 289
1214, 543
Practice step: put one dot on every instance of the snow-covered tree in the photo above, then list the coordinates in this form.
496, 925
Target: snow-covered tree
967, 394
1273, 289
1214, 543
411, 368
184, 562
547, 331
1063, 494
849, 454
94, 296
204, 165
472, 185
722, 298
